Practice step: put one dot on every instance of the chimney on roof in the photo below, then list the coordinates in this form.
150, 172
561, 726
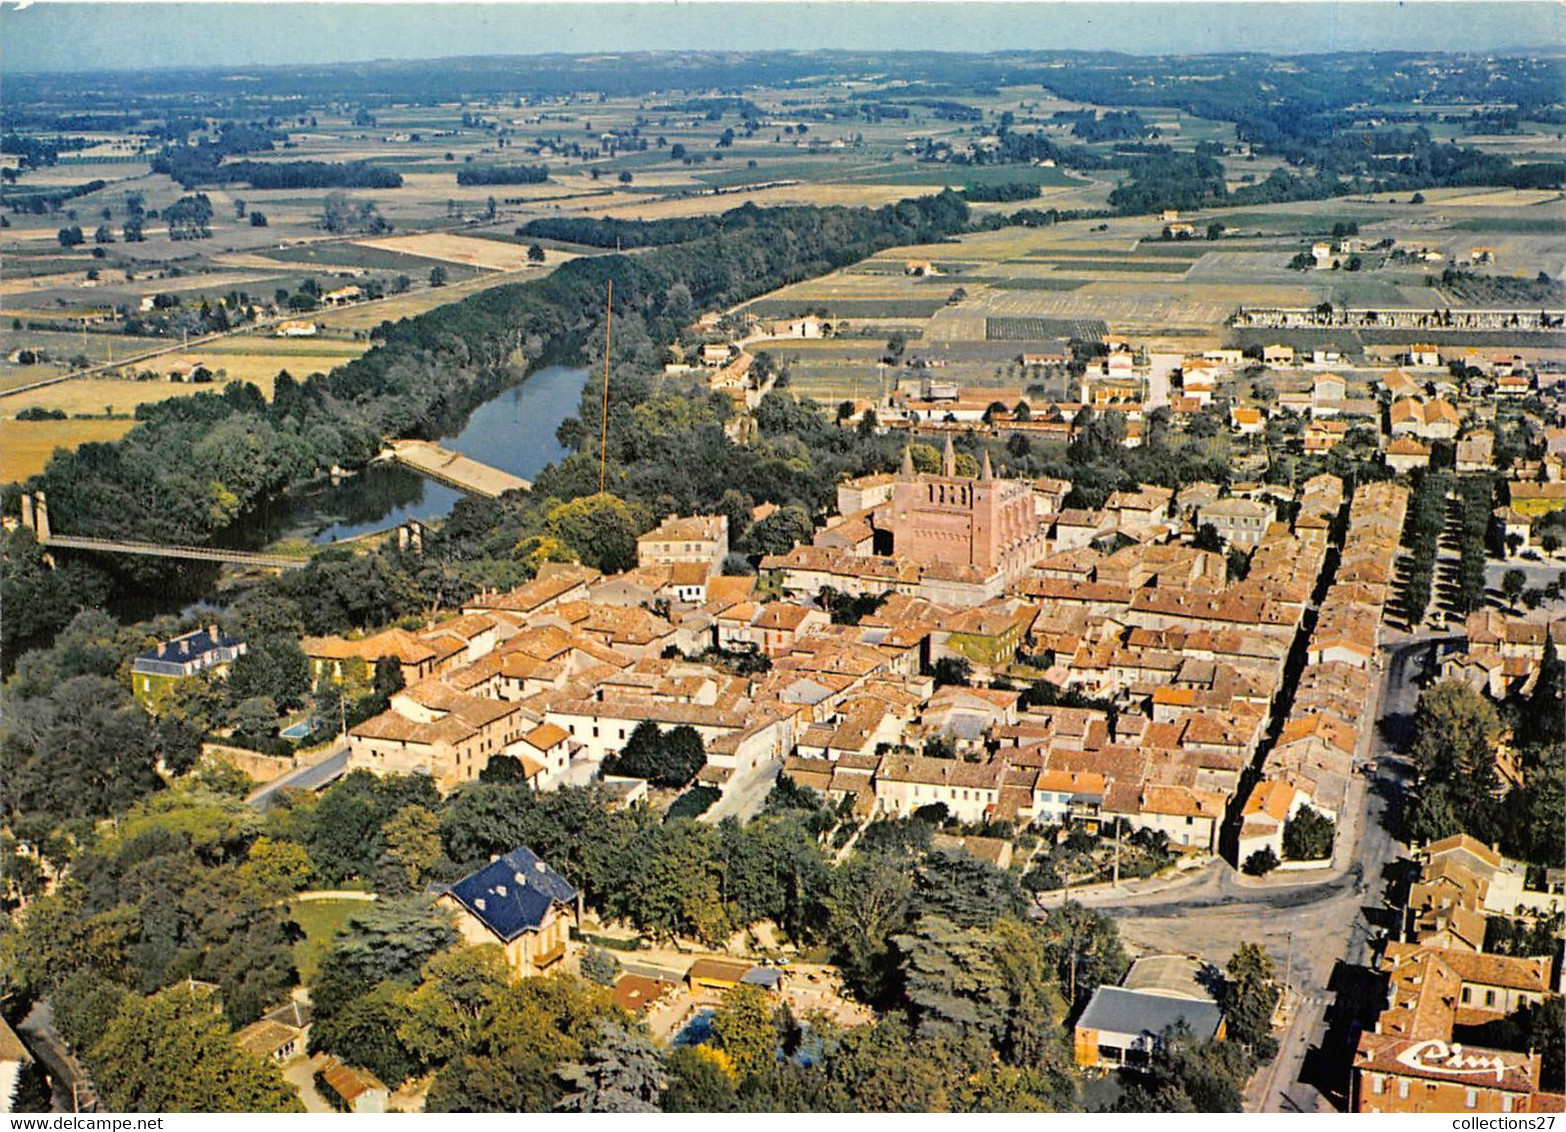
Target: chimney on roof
212, 631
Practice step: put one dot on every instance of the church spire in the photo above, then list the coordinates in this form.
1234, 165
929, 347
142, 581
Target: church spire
907, 470
949, 459
987, 472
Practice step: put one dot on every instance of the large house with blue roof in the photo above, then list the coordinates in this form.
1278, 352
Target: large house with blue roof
155, 673
520, 903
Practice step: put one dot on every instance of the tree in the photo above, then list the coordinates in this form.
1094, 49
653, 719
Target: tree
1084, 947
1250, 994
257, 219
412, 837
173, 1052
868, 899
965, 890
599, 529
438, 276
84, 1006
781, 531
953, 670
622, 1072
535, 253
701, 1079
742, 1023
342, 214
1261, 862
443, 1016
1307, 836
995, 981
600, 967
1208, 538
531, 1030
1455, 734
70, 237
272, 665
33, 1091
1513, 582
281, 867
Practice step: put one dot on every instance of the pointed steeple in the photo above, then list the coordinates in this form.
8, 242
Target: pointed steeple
987, 472
949, 459
907, 470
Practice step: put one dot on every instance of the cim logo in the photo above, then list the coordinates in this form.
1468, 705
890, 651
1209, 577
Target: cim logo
1435, 1056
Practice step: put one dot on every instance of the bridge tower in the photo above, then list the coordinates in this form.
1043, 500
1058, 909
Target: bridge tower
35, 515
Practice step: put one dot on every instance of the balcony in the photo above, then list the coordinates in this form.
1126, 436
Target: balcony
543, 959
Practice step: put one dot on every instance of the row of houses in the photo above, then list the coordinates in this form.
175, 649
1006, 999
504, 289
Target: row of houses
1440, 1044
1314, 759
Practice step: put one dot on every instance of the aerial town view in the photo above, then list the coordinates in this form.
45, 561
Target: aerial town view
777, 557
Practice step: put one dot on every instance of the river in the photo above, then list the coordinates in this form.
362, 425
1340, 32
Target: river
513, 431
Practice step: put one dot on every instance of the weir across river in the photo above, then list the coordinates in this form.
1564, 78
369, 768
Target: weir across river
453, 468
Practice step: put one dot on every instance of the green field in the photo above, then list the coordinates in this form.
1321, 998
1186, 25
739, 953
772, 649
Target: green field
934, 175
1035, 329
370, 259
321, 920
1076, 264
1522, 226
1031, 283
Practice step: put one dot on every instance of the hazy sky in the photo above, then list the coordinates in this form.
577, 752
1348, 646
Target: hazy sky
51, 36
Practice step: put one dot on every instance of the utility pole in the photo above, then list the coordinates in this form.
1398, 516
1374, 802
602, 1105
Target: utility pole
1288, 970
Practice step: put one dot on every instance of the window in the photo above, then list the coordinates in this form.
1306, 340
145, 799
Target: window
1378, 1084
1472, 1098
1489, 998
1468, 994
1402, 1087
1506, 1102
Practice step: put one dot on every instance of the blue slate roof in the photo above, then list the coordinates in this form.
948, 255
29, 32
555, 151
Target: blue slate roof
190, 653
1116, 1010
513, 894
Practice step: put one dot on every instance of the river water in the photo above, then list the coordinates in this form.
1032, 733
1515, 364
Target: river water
513, 431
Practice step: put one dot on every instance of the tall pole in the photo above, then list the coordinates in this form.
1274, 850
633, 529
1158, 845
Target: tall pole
603, 437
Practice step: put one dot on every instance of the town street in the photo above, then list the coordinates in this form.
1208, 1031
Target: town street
1313, 926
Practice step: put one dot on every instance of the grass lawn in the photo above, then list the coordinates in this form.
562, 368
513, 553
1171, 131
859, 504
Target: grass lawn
321, 920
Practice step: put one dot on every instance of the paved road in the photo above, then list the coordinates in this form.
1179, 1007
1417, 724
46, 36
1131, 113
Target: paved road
311, 777
1310, 927
744, 796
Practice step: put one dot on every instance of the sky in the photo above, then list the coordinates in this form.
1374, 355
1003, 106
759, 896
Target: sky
63, 36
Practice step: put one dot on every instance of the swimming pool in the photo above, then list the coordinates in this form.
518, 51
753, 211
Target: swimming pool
297, 730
